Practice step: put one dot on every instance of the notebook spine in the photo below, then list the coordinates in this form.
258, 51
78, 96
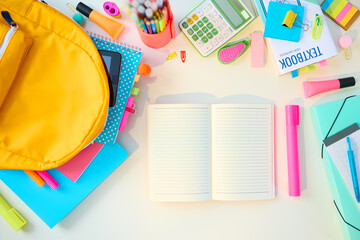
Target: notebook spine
127, 47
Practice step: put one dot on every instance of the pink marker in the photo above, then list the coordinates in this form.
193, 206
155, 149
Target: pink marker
292, 121
312, 88
130, 105
48, 179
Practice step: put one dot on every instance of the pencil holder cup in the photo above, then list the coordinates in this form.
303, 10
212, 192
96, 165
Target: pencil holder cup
159, 40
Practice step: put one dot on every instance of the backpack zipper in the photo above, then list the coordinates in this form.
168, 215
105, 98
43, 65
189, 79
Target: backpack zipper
9, 33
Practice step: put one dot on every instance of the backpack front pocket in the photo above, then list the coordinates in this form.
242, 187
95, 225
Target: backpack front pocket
14, 45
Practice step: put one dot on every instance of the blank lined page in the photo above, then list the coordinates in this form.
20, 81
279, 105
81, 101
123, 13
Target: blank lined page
179, 152
242, 151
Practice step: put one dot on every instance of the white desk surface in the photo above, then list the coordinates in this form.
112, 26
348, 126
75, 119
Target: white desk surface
119, 209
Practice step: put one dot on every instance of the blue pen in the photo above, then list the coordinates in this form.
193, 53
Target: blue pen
353, 171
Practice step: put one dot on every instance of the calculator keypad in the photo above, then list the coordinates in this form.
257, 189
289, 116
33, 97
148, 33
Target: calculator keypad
208, 29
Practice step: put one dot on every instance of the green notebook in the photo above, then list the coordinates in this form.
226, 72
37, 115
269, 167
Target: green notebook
323, 118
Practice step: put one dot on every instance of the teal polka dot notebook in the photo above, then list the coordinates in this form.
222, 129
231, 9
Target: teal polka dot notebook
130, 62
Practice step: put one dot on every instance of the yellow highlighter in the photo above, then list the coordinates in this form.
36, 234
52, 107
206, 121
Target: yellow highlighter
15, 220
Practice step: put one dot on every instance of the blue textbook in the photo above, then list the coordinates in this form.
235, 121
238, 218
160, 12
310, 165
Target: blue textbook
53, 205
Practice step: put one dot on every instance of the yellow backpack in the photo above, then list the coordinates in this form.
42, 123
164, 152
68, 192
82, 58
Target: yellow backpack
54, 92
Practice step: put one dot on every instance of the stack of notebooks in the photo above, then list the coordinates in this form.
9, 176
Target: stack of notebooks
289, 56
82, 174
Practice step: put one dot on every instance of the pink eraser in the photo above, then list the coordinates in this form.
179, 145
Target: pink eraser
257, 49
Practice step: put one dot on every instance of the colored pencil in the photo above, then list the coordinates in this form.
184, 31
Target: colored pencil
148, 26
157, 25
144, 28
153, 27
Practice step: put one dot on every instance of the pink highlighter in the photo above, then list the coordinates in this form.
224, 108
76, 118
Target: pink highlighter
292, 121
312, 88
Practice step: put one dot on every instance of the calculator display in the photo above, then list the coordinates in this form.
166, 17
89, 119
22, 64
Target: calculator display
231, 10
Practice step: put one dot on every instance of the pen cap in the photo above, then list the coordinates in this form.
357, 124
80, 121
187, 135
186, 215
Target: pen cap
347, 82
292, 115
84, 9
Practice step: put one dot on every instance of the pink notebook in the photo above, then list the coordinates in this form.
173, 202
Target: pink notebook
77, 165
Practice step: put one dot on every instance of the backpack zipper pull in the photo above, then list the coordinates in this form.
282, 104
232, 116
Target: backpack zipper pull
7, 17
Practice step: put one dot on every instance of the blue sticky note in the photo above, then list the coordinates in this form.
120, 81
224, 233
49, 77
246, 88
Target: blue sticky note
53, 205
326, 4
294, 74
275, 17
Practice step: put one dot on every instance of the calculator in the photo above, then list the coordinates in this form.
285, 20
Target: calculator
213, 23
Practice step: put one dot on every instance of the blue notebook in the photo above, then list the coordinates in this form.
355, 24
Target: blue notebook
53, 205
130, 63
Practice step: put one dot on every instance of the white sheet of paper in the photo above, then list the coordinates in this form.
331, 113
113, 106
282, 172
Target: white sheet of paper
338, 153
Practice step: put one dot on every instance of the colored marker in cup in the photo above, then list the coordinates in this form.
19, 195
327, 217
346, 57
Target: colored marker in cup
345, 43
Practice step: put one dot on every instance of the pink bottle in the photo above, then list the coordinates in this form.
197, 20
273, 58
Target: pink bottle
292, 121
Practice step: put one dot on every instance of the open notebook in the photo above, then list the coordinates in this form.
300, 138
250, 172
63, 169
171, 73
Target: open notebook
201, 152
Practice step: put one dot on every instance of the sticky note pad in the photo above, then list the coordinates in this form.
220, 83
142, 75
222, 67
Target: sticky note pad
304, 69
275, 17
294, 73
77, 165
312, 67
341, 12
323, 63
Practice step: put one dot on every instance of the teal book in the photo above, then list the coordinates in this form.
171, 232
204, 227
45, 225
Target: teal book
329, 119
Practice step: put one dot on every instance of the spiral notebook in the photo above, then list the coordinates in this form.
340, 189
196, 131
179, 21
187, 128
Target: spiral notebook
131, 56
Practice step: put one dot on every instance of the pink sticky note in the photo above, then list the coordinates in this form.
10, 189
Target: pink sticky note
323, 63
77, 165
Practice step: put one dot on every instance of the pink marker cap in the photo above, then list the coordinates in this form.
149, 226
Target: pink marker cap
292, 115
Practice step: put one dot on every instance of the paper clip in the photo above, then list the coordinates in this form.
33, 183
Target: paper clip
289, 20
345, 43
318, 23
